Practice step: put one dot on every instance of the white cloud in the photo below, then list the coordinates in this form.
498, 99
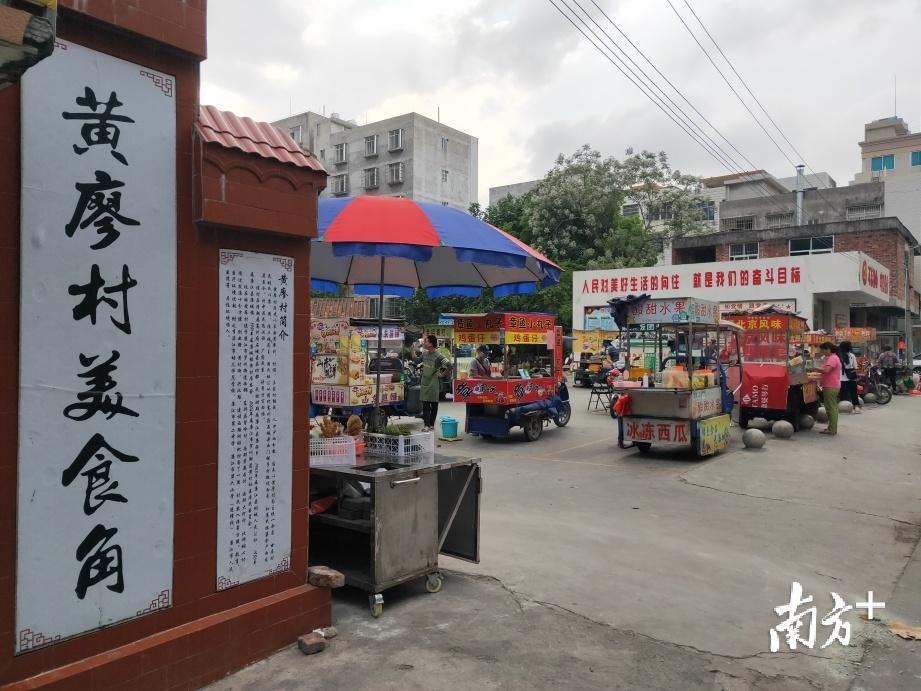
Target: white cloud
518, 76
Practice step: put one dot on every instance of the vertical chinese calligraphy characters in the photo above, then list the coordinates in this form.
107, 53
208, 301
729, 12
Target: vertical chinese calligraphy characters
98, 485
96, 399
91, 298
99, 204
99, 127
103, 563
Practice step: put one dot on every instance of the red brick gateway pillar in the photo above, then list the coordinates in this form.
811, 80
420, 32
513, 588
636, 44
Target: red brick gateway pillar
154, 321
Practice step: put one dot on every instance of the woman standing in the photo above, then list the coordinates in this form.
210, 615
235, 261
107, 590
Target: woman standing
434, 367
849, 375
831, 384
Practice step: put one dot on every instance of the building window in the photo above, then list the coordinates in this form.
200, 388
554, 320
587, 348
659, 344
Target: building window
743, 250
371, 178
779, 220
886, 162
340, 153
862, 211
322, 154
296, 134
444, 144
395, 140
630, 210
395, 173
823, 244
340, 184
738, 223
916, 158
444, 175
371, 145
661, 212
708, 210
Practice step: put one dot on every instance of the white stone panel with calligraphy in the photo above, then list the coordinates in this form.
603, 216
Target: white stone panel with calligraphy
256, 416
98, 345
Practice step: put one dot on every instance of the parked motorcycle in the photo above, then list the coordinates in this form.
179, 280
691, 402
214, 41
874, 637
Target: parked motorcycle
872, 382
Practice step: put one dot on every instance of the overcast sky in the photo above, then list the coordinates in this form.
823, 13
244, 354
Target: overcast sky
519, 77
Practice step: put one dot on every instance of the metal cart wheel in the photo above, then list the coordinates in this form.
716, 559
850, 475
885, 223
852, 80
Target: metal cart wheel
562, 419
533, 427
433, 582
376, 603
643, 446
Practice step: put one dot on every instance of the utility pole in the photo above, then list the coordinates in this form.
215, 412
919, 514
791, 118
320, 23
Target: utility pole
909, 345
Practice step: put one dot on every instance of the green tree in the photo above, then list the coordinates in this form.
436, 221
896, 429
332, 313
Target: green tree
572, 210
663, 195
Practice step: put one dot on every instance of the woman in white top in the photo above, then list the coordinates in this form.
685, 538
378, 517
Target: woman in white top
849, 375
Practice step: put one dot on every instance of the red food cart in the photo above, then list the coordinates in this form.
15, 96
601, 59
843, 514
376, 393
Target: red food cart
527, 388
774, 382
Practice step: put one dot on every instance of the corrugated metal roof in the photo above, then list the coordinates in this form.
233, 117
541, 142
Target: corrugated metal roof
259, 138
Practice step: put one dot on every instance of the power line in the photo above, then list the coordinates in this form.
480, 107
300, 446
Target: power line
675, 88
750, 93
646, 92
729, 84
738, 96
725, 156
678, 119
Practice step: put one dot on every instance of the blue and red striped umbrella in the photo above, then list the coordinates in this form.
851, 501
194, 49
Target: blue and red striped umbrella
417, 245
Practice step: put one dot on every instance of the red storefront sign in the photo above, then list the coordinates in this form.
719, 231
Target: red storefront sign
764, 386
658, 281
657, 430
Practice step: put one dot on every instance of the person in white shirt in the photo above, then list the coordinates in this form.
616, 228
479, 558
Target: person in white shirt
849, 375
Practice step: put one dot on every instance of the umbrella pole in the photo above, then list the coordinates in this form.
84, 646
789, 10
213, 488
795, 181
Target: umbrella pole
380, 349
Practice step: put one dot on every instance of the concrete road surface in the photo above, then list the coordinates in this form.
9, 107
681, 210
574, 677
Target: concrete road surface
602, 568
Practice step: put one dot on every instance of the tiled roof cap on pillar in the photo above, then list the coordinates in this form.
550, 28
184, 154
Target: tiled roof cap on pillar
260, 138
253, 176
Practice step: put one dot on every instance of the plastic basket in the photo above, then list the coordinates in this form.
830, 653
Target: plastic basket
332, 451
399, 445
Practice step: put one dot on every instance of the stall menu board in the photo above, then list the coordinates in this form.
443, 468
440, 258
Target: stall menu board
98, 345
256, 416
769, 322
674, 310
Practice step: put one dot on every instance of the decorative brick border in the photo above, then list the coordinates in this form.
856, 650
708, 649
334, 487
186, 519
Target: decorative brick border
227, 256
164, 83
286, 262
162, 601
32, 640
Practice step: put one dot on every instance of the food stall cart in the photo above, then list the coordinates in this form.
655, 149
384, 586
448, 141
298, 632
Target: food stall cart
382, 521
775, 384
864, 341
588, 352
343, 384
527, 387
687, 400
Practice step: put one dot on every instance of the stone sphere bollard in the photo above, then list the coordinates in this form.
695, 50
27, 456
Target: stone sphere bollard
782, 429
753, 438
870, 398
845, 407
806, 422
821, 416
861, 401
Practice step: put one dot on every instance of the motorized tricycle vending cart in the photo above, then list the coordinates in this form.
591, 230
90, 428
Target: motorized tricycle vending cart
529, 389
775, 385
686, 400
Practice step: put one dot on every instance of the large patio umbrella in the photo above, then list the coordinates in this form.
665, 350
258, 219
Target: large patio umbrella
393, 246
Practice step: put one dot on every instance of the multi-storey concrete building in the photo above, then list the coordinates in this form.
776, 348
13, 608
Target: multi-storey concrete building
405, 156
